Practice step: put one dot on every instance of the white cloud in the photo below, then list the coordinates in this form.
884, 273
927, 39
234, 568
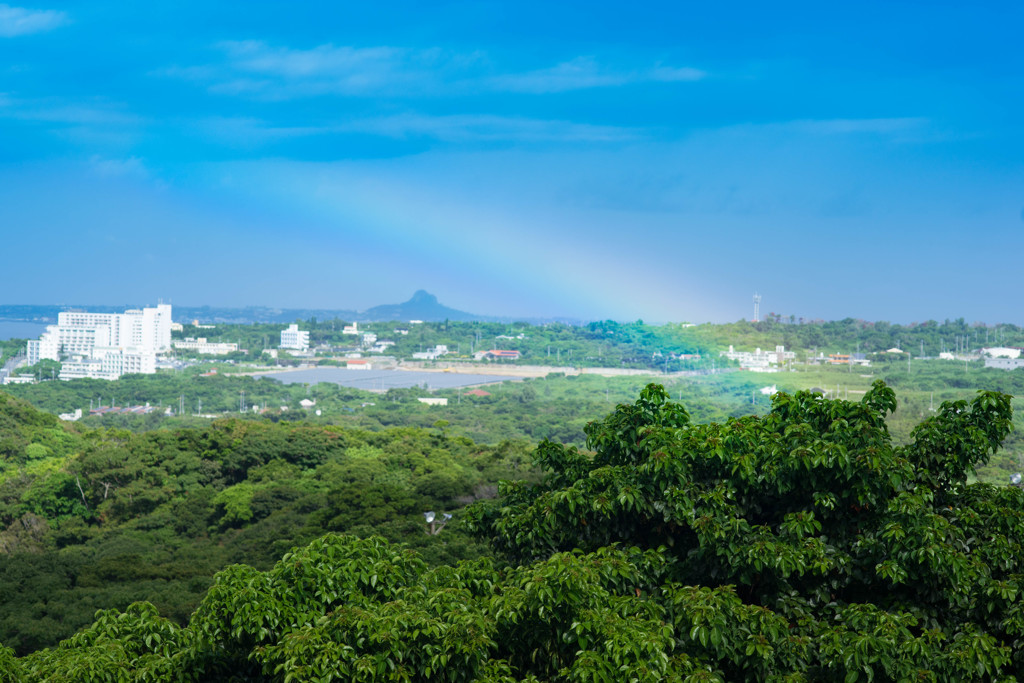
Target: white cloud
18, 21
54, 110
256, 69
252, 132
847, 126
585, 72
896, 129
489, 128
669, 74
132, 166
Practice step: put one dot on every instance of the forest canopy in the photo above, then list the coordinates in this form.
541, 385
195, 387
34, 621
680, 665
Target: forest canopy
801, 545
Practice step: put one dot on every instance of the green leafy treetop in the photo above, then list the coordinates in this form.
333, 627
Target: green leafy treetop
798, 546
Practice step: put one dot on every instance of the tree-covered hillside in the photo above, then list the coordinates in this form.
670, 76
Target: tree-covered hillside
800, 545
637, 344
556, 408
102, 518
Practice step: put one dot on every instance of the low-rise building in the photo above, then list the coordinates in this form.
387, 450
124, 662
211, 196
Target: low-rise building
1001, 352
760, 361
1004, 363
497, 354
294, 338
201, 345
432, 354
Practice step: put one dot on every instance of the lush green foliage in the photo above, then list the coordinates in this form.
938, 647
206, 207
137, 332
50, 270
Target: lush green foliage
555, 408
795, 546
92, 519
639, 345
606, 343
928, 338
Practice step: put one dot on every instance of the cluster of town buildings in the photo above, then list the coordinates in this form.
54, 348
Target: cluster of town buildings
109, 345
760, 361
104, 345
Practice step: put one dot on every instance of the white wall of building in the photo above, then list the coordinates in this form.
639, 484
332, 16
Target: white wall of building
294, 338
105, 345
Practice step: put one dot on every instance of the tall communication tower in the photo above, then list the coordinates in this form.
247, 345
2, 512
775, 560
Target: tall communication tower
757, 306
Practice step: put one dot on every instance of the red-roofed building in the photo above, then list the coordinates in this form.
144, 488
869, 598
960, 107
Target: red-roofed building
496, 354
477, 392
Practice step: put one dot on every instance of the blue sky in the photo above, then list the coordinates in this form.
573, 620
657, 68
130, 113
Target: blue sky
592, 160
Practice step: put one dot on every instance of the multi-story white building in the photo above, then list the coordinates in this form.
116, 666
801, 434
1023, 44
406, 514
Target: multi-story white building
294, 338
105, 345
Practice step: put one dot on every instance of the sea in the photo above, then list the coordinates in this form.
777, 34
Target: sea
20, 330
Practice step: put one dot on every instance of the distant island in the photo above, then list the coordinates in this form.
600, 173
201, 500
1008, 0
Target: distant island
422, 306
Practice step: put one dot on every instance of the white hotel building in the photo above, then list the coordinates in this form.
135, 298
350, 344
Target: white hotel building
294, 338
105, 345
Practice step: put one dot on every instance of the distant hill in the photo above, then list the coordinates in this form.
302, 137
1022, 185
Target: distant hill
422, 306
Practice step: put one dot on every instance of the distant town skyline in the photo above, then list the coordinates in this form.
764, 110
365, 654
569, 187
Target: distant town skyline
588, 161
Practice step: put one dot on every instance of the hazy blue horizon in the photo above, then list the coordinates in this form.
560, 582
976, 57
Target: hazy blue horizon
578, 160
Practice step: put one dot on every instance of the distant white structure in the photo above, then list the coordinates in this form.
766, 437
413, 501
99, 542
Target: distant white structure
200, 345
946, 355
431, 354
294, 338
350, 329
381, 345
1004, 363
1001, 352
431, 401
105, 345
760, 361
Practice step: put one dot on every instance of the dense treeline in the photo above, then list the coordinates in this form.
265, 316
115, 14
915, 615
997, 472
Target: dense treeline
605, 343
801, 545
639, 345
555, 408
849, 335
102, 518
